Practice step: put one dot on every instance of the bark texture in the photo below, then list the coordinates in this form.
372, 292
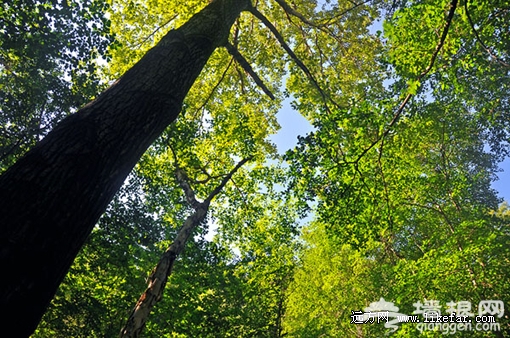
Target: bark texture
52, 197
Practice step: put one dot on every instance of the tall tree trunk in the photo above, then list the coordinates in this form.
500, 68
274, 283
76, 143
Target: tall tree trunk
52, 197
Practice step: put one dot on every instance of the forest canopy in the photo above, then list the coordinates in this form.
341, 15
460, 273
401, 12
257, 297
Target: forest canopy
388, 199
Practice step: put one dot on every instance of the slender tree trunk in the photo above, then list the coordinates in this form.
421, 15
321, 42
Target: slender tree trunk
159, 276
52, 197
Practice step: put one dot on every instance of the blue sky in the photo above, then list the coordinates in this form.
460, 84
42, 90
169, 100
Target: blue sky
503, 184
293, 124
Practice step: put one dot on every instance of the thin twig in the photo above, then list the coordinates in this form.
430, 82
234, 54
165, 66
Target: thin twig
396, 116
226, 179
154, 32
298, 61
240, 192
288, 9
385, 185
241, 79
321, 27
487, 49
215, 87
386, 132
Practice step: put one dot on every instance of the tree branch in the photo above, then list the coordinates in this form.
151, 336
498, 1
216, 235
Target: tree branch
183, 180
387, 131
289, 10
440, 44
294, 57
247, 67
355, 5
449, 19
286, 7
215, 87
226, 179
324, 27
154, 32
159, 275
487, 49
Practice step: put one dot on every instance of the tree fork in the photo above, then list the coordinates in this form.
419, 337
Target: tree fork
159, 276
52, 197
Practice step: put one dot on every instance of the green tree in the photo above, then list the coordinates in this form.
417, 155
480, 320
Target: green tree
408, 221
84, 160
403, 182
90, 147
374, 140
402, 179
331, 280
47, 68
234, 287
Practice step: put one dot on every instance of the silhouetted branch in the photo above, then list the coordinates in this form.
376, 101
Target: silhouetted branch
159, 276
247, 67
453, 7
215, 86
487, 49
440, 44
226, 179
154, 32
294, 57
339, 15
286, 7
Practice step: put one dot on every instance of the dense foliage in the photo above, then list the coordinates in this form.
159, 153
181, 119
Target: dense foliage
48, 54
390, 196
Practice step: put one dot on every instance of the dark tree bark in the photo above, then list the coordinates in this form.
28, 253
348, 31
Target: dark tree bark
52, 197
